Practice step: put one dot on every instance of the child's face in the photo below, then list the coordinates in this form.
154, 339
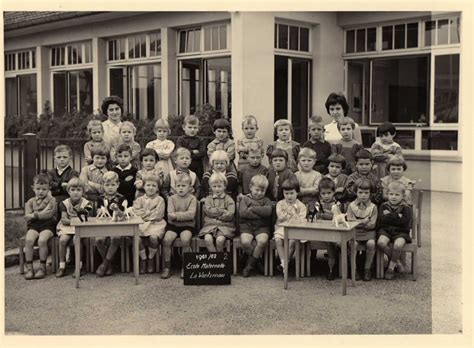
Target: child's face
396, 172
306, 164
222, 134
161, 133
363, 166
257, 191
334, 169
183, 161
290, 195
124, 158
217, 187
386, 138
127, 134
316, 132
75, 193
148, 162
346, 132
250, 129
395, 197
279, 163
99, 161
62, 159
326, 194
97, 133
284, 133
114, 112
254, 159
191, 129
110, 187
336, 111
150, 187
219, 166
182, 188
40, 190
363, 195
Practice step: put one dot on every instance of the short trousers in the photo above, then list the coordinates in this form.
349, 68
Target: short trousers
179, 229
393, 235
254, 230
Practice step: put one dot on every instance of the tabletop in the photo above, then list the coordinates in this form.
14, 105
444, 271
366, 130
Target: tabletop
320, 225
92, 221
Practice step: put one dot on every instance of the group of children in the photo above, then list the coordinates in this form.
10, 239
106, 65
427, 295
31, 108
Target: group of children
165, 181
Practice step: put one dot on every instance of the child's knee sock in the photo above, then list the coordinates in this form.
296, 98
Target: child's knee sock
142, 254
152, 252
331, 263
369, 257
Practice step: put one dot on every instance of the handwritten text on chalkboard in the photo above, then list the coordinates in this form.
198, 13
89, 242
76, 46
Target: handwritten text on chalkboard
207, 268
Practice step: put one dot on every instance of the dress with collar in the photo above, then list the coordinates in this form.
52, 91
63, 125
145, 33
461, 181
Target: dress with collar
163, 148
111, 132
358, 211
291, 147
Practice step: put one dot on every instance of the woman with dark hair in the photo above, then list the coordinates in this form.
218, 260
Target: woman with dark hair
337, 108
112, 107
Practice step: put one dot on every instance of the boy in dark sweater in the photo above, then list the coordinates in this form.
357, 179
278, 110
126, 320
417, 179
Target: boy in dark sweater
277, 174
250, 169
194, 143
126, 173
318, 144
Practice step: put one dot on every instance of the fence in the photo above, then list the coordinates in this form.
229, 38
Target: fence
14, 185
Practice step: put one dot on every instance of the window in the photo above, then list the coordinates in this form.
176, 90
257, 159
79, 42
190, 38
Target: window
439, 140
291, 37
361, 40
23, 60
139, 86
206, 39
218, 77
446, 97
215, 37
138, 46
400, 36
190, 40
21, 96
72, 91
445, 31
71, 54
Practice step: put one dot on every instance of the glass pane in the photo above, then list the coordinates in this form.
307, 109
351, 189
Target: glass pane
27, 60
28, 96
275, 36
294, 38
412, 35
304, 39
155, 44
85, 90
400, 36
33, 59
446, 103
281, 88
207, 38
283, 36
88, 52
121, 48
371, 39
118, 83
190, 41
350, 41
454, 29
73, 91
355, 89
368, 137
442, 32
53, 56
406, 139
197, 40
59, 92
11, 96
223, 37
190, 94
62, 55
387, 38
131, 47
300, 96
111, 45
154, 91
360, 40
400, 90
430, 27
142, 39
215, 38
439, 140
182, 41
218, 85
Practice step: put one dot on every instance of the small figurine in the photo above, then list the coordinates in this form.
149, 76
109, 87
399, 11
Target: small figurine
118, 214
337, 216
313, 211
81, 212
103, 211
128, 210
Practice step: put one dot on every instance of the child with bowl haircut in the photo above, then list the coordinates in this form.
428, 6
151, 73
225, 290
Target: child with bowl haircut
384, 148
396, 168
318, 144
95, 129
253, 167
283, 130
219, 163
194, 143
277, 174
347, 146
308, 178
92, 174
126, 173
255, 212
335, 167
182, 161
148, 158
249, 128
222, 141
127, 133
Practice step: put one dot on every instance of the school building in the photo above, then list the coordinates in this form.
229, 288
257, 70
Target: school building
402, 67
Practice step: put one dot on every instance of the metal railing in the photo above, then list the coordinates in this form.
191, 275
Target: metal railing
14, 184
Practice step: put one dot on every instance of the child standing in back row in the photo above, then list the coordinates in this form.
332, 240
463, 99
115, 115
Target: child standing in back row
347, 146
249, 128
384, 148
163, 147
95, 129
194, 143
126, 173
222, 130
283, 130
318, 144
252, 168
148, 157
127, 133
308, 178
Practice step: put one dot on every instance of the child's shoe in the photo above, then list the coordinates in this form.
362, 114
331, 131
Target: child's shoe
166, 271
357, 275
150, 266
400, 267
330, 275
101, 270
389, 274
367, 275
30, 273
60, 273
280, 268
182, 273
41, 271
259, 266
142, 266
109, 270
248, 267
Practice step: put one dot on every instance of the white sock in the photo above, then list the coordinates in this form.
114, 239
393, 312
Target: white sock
143, 254
80, 264
62, 264
151, 253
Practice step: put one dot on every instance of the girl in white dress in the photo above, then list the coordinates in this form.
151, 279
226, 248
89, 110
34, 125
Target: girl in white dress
163, 147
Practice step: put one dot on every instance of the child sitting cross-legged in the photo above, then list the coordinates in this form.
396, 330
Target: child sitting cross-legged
252, 168
148, 158
396, 168
394, 226
182, 207
308, 178
219, 214
255, 212
151, 208
220, 163
289, 209
68, 209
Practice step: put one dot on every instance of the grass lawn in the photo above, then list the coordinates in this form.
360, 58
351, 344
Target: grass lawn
15, 228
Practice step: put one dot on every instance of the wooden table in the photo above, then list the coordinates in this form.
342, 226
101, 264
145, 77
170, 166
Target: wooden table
106, 228
322, 231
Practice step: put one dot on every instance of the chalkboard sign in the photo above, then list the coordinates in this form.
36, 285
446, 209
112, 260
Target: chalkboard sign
207, 268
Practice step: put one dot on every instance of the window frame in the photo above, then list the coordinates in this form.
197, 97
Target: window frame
67, 65
127, 60
295, 53
67, 71
17, 70
202, 52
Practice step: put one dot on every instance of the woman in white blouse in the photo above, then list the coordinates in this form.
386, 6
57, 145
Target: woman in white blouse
337, 108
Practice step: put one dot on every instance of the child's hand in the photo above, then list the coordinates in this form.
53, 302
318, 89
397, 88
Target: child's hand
139, 184
29, 217
172, 216
66, 221
196, 152
339, 189
64, 185
385, 212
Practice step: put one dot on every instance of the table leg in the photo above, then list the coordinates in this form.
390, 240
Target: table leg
297, 259
135, 254
353, 261
285, 271
77, 249
344, 265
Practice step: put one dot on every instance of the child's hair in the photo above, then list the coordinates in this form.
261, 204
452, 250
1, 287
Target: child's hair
363, 154
337, 158
42, 179
93, 124
345, 121
337, 98
254, 149
128, 124
363, 184
396, 186
326, 183
218, 177
183, 178
315, 120
307, 152
249, 119
191, 119
75, 183
386, 127
221, 123
110, 176
63, 148
124, 148
219, 155
152, 178
279, 153
109, 101
99, 151
260, 181
148, 152
290, 184
280, 123
397, 161
162, 124
179, 152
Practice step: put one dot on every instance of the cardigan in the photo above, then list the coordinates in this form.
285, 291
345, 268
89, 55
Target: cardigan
169, 184
246, 173
185, 209
46, 208
57, 181
232, 183
282, 176
291, 147
255, 212
377, 193
395, 219
219, 213
323, 151
126, 182
194, 143
228, 146
90, 146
